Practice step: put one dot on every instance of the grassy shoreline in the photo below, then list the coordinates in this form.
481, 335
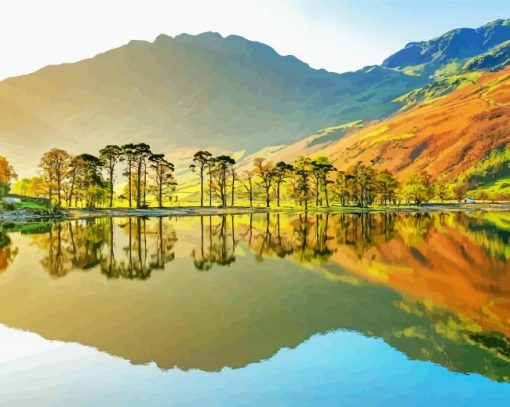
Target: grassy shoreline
205, 211
26, 215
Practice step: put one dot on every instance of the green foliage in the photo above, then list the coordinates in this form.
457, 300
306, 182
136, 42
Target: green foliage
221, 168
418, 188
362, 186
459, 190
494, 59
489, 179
4, 188
441, 192
163, 176
497, 190
321, 167
110, 156
333, 133
495, 166
442, 86
303, 171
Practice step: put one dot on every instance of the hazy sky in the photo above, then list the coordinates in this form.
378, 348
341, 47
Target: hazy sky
335, 35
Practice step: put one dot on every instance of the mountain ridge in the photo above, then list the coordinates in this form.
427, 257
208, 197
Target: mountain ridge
455, 45
237, 93
230, 93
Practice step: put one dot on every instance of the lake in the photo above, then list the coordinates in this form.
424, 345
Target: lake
263, 309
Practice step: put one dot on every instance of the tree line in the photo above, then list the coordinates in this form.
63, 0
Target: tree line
314, 181
89, 181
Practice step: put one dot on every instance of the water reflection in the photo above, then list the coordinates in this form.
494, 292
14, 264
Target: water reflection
219, 245
7, 252
434, 286
148, 248
84, 244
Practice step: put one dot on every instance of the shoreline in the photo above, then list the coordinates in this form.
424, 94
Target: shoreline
243, 210
185, 211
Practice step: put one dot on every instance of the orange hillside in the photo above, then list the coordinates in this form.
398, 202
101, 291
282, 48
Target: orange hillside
444, 137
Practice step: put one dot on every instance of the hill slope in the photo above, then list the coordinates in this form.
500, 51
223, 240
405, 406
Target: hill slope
198, 91
226, 94
445, 137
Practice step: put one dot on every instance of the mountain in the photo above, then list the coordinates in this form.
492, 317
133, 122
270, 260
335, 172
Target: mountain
228, 94
200, 91
448, 136
444, 137
455, 51
455, 126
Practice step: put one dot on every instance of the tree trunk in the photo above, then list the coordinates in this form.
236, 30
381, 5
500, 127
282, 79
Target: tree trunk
71, 192
233, 188
130, 192
316, 192
144, 184
326, 193
58, 191
202, 186
160, 192
111, 187
210, 189
139, 184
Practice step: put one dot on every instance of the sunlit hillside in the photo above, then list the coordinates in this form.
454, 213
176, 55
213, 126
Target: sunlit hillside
466, 132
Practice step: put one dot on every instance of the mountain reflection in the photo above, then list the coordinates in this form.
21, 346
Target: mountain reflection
436, 286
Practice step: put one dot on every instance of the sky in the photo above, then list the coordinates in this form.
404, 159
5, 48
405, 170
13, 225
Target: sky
335, 35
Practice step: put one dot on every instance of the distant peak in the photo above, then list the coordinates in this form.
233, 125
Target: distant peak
205, 36
208, 37
500, 21
456, 44
210, 34
137, 42
163, 38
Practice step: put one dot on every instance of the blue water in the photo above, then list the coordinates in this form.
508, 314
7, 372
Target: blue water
289, 311
339, 368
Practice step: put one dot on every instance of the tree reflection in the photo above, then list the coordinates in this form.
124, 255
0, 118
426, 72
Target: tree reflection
7, 252
362, 231
220, 246
58, 261
166, 239
148, 248
85, 244
441, 281
134, 247
85, 241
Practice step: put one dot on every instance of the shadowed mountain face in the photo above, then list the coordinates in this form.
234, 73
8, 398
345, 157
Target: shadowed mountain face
198, 91
214, 292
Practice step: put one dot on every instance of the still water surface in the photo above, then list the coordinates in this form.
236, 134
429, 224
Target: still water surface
378, 309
